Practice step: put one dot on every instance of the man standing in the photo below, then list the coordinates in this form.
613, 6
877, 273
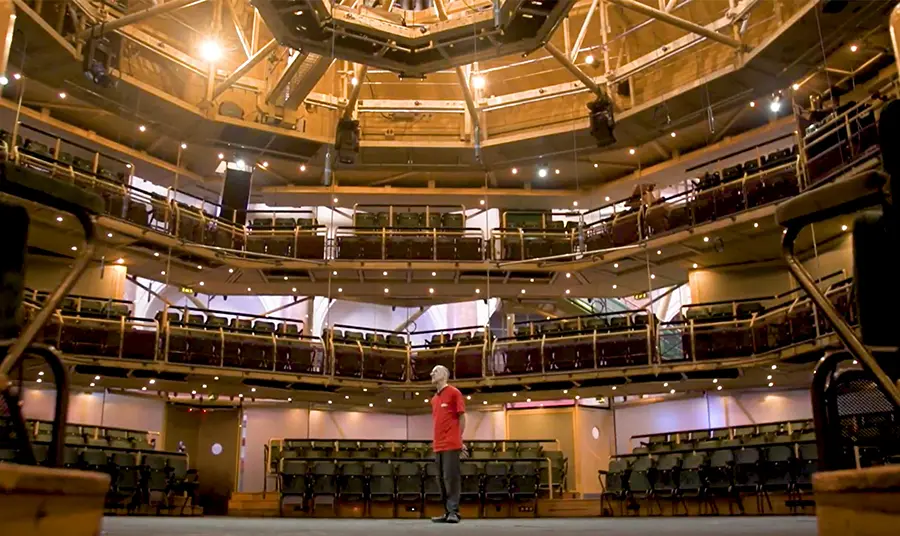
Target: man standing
449, 414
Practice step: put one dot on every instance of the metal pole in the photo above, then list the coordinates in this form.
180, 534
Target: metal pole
103, 28
583, 32
654, 13
354, 93
7, 27
572, 68
245, 67
238, 29
467, 94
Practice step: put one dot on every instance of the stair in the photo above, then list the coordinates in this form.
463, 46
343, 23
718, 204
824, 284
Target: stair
254, 505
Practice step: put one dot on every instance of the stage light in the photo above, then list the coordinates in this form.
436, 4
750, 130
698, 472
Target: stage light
719, 388
695, 265
673, 134
477, 291
210, 50
431, 291
184, 146
152, 382
542, 172
202, 283
568, 291
62, 94
589, 59
775, 105
354, 81
221, 156
796, 86
843, 227
514, 170
615, 287
3, 80
120, 260
602, 121
753, 104
17, 76
478, 81
854, 48
556, 171
568, 275
142, 128
302, 168
631, 151
596, 165
59, 219
606, 198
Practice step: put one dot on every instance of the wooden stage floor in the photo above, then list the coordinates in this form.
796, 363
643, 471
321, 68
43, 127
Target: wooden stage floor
659, 526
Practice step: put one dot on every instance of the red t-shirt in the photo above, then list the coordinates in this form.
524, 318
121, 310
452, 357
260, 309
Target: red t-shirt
446, 407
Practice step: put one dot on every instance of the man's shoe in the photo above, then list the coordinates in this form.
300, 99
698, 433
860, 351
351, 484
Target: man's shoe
452, 518
442, 519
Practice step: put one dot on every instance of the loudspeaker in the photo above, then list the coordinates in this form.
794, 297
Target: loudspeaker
346, 141
236, 194
602, 122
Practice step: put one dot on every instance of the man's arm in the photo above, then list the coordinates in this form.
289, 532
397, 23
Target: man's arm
462, 425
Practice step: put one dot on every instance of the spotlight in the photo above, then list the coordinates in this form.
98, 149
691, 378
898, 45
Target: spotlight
774, 367
221, 156
753, 104
62, 94
478, 81
384, 273
184, 146
477, 291
514, 170
706, 239
672, 391
568, 291
41, 373
142, 128
210, 50
542, 173
769, 377
556, 171
3, 80
602, 121
589, 59
652, 276
484, 402
481, 202
335, 200
202, 283
695, 265
673, 134
340, 289
386, 290
108, 235
615, 287
843, 227
354, 81
231, 270
265, 164
771, 384
796, 86
606, 199
854, 48
715, 380
302, 168
152, 382
59, 219
631, 151
120, 260
97, 378
756, 225
596, 165
523, 291
294, 289
568, 275
431, 291
17, 76
775, 105
719, 388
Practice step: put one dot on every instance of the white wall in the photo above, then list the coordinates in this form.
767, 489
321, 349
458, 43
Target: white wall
100, 409
591, 454
711, 411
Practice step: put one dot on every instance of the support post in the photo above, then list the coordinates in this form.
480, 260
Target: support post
105, 27
245, 44
354, 92
470, 99
7, 26
678, 22
245, 67
573, 54
572, 68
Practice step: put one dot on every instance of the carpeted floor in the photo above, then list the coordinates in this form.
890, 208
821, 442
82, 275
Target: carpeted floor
225, 526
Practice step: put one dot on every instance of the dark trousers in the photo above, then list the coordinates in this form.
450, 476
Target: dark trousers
448, 464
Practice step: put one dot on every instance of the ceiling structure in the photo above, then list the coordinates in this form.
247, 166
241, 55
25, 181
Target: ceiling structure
686, 67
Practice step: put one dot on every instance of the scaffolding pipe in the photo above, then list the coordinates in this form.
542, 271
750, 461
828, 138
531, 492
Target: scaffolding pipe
572, 68
576, 47
354, 93
103, 28
467, 94
692, 27
245, 67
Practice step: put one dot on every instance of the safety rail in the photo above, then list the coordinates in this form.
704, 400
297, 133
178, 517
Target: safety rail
235, 340
430, 233
393, 243
622, 340
725, 432
461, 350
840, 141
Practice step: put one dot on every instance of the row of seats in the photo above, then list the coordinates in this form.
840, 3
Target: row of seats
276, 223
832, 148
84, 305
44, 153
714, 443
409, 245
715, 331
409, 220
97, 436
411, 482
706, 474
672, 440
750, 167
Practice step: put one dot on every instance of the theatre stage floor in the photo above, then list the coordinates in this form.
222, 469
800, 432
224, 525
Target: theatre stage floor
667, 526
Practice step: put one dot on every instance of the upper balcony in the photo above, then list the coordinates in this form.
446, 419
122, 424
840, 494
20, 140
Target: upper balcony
454, 252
